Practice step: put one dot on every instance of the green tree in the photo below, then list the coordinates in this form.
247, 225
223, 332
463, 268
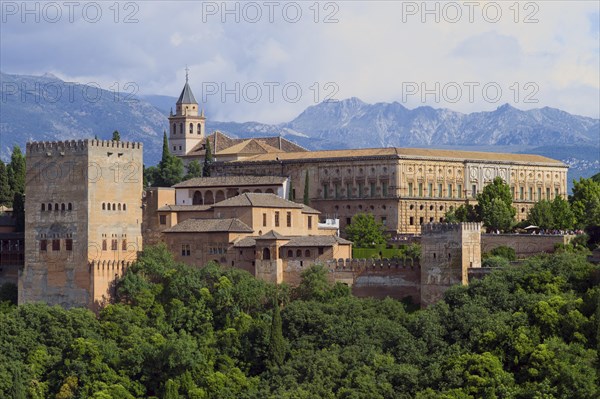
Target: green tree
193, 170
494, 206
306, 190
5, 190
16, 171
116, 136
555, 214
291, 192
313, 284
19, 211
277, 344
171, 390
585, 202
208, 160
464, 213
365, 232
170, 167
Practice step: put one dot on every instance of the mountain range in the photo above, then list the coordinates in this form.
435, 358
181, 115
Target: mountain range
47, 108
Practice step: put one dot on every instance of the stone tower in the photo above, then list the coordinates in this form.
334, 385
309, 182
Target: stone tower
448, 250
83, 220
186, 128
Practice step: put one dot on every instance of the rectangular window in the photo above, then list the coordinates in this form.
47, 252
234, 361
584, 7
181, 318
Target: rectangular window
325, 191
186, 250
276, 219
348, 220
56, 245
430, 189
410, 189
548, 193
372, 189
124, 245
420, 189
421, 220
264, 219
384, 188
556, 193
310, 222
321, 251
289, 219
539, 194
412, 221
383, 220
459, 189
69, 244
163, 219
474, 190
43, 245
349, 190
449, 193
104, 247
530, 193
521, 193
440, 193
361, 190
114, 244
337, 190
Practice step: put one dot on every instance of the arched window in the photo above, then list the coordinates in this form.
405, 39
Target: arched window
307, 253
181, 128
49, 206
191, 128
43, 207
199, 128
56, 207
114, 207
298, 253
266, 254
70, 206
62, 207
174, 128
103, 206
124, 207
290, 253
119, 207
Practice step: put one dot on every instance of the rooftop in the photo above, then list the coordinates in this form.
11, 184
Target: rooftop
294, 241
259, 200
210, 226
403, 153
234, 181
186, 96
184, 208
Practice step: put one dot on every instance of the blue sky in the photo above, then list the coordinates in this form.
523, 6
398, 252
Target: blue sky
277, 58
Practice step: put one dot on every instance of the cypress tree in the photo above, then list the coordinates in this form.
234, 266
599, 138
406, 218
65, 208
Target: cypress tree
116, 136
277, 343
165, 150
170, 167
16, 175
5, 191
208, 160
306, 188
19, 211
291, 192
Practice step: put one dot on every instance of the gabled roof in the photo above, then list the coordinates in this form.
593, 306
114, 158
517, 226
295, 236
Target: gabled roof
186, 96
249, 147
272, 235
233, 181
308, 209
273, 144
210, 226
257, 200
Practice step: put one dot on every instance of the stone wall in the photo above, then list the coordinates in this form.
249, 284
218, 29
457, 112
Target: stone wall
525, 245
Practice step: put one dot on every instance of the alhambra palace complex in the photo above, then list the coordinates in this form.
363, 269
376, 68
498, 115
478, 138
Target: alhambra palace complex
88, 215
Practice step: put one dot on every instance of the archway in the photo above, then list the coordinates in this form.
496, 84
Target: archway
208, 198
197, 199
269, 191
219, 196
257, 190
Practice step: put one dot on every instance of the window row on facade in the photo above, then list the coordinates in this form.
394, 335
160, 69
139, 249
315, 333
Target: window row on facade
432, 190
57, 207
528, 194
107, 206
56, 244
359, 190
114, 245
190, 128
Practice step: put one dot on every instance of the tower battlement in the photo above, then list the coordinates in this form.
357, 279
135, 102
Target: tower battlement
77, 146
445, 227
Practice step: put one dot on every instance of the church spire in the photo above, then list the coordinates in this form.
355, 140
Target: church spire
187, 97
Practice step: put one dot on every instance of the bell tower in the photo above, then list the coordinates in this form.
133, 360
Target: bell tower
186, 127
